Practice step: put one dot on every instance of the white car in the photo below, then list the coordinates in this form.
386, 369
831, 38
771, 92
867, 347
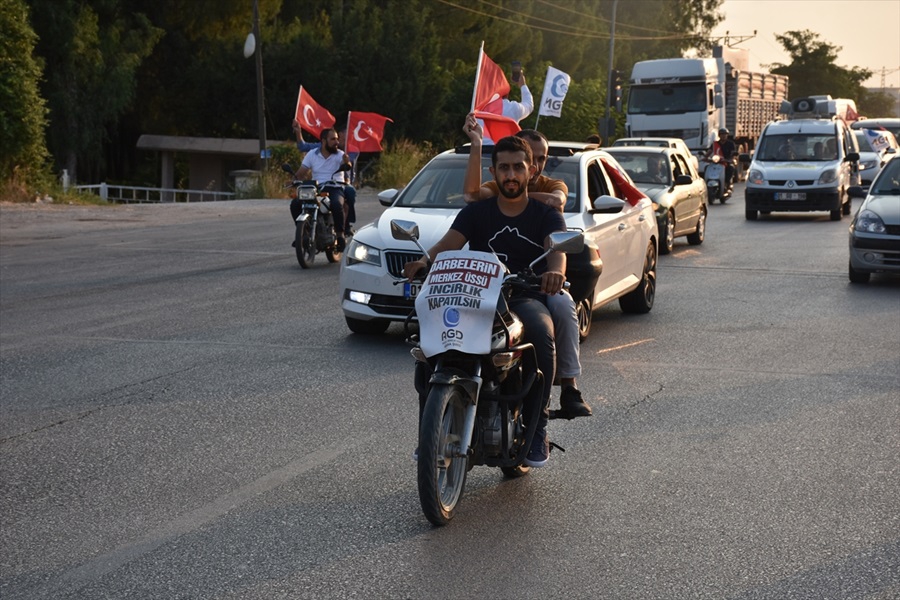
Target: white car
621, 239
663, 142
875, 230
871, 159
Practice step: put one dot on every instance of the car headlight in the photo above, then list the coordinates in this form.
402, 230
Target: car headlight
358, 252
756, 176
869, 222
828, 176
867, 164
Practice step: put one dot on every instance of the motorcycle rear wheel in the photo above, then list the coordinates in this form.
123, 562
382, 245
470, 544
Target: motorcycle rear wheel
442, 464
305, 245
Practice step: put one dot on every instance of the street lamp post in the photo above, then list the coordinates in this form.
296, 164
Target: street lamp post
608, 127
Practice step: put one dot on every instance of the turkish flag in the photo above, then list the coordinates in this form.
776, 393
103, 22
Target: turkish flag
497, 126
365, 131
490, 85
311, 116
629, 193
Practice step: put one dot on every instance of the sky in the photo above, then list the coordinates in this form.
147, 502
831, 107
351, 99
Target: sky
868, 31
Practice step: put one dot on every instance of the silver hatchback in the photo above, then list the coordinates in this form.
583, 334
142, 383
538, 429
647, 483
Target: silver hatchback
875, 230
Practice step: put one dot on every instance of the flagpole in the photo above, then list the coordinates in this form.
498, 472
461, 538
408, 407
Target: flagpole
477, 73
536, 121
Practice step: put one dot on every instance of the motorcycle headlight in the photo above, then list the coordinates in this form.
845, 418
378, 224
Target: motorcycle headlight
358, 252
756, 176
869, 222
828, 176
306, 193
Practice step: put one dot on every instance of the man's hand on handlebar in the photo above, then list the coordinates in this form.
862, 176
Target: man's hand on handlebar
552, 282
414, 268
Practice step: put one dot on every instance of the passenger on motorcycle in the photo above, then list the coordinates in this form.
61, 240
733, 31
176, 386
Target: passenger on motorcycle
517, 229
552, 192
725, 148
322, 165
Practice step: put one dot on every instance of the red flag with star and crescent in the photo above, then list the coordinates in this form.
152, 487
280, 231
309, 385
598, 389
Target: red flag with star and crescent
490, 85
365, 131
311, 116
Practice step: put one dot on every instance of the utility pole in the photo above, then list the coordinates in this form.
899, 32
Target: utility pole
260, 97
608, 128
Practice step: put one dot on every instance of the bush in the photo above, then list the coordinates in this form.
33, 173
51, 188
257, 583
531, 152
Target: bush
400, 161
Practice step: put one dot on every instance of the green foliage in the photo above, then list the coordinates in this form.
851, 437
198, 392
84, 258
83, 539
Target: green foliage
23, 153
812, 70
877, 104
400, 161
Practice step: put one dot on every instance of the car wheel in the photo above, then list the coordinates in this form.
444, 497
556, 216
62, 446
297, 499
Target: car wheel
371, 327
696, 238
668, 229
640, 299
585, 314
858, 276
750, 214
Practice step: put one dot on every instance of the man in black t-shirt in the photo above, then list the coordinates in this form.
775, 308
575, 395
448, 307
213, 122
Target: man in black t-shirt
516, 228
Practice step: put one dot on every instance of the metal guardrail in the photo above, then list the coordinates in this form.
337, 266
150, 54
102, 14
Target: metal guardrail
130, 193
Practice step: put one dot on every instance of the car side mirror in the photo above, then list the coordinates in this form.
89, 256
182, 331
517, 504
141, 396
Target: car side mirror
386, 197
287, 168
856, 191
607, 205
683, 180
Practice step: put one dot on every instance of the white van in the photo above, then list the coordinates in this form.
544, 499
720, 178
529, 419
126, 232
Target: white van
804, 164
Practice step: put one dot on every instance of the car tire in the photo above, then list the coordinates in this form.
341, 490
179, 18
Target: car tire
640, 299
751, 215
668, 234
584, 312
858, 276
371, 327
696, 238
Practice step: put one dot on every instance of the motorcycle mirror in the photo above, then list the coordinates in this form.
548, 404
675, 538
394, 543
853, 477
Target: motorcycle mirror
408, 231
570, 242
345, 167
287, 167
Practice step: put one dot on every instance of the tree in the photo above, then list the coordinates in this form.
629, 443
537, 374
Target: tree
22, 110
813, 71
92, 50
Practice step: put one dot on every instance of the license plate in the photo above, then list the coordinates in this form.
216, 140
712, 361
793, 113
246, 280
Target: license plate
411, 290
790, 196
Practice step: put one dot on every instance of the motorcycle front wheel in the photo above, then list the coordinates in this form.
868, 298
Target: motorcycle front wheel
442, 463
305, 244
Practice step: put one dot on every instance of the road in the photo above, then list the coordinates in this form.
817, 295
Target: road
185, 415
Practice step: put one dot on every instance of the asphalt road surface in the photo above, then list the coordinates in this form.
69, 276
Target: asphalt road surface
184, 414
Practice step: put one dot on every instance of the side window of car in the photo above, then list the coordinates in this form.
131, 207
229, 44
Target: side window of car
597, 184
678, 166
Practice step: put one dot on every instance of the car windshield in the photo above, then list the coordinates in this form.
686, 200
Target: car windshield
888, 181
863, 141
627, 142
669, 98
440, 183
646, 168
797, 146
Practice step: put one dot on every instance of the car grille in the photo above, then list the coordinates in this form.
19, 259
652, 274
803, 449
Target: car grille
892, 229
782, 182
395, 261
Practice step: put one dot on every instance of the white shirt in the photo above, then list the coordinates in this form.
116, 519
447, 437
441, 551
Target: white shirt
323, 169
519, 110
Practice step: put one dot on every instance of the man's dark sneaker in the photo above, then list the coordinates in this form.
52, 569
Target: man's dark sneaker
539, 453
572, 404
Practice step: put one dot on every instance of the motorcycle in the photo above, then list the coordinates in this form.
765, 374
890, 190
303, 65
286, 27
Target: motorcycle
714, 175
478, 375
315, 224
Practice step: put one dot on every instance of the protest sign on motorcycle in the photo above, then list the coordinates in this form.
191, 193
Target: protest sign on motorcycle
458, 301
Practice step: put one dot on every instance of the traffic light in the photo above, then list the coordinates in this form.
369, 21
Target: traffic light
615, 89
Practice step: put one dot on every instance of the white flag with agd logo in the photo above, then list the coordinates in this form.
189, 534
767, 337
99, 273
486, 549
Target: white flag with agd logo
555, 87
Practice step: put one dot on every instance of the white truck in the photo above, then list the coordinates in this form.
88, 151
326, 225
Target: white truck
692, 98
